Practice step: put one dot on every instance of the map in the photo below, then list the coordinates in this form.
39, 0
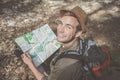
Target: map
40, 44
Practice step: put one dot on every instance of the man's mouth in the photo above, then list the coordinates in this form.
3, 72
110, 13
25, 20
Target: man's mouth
61, 36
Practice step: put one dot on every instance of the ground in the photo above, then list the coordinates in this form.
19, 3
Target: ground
18, 17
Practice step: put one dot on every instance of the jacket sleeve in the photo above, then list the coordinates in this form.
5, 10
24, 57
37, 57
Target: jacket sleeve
66, 69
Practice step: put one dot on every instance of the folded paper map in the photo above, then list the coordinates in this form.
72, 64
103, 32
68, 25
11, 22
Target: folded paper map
40, 44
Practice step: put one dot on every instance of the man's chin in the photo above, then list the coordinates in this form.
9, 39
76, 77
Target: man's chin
60, 40
64, 40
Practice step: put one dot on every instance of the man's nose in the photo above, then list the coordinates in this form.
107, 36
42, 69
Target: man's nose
62, 28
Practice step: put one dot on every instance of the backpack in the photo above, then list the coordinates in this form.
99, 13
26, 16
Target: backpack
95, 59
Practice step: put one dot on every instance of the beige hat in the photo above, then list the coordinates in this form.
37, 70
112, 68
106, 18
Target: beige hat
80, 15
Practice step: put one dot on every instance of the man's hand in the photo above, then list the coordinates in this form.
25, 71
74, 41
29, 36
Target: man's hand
27, 59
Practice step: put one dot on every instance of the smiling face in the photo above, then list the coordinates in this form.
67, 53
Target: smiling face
67, 29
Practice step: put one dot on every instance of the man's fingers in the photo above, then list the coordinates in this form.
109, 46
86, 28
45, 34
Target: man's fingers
23, 55
28, 56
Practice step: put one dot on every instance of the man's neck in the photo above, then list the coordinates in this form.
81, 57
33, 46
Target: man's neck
66, 45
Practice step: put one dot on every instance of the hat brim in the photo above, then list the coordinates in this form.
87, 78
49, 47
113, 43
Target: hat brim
62, 12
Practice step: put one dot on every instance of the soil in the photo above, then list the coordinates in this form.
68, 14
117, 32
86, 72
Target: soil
18, 17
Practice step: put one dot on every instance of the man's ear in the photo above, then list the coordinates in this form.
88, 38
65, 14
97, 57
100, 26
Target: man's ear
78, 34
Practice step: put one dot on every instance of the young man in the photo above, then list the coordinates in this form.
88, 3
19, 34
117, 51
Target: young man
71, 25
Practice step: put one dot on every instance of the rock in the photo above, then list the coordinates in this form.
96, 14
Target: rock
11, 23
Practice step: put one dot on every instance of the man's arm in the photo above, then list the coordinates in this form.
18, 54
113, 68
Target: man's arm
27, 60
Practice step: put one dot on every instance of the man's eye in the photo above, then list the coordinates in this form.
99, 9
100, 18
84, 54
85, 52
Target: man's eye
68, 26
59, 22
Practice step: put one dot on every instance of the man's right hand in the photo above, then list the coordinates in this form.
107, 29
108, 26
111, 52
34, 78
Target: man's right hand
27, 59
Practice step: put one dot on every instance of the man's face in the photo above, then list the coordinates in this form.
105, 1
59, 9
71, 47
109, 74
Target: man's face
66, 29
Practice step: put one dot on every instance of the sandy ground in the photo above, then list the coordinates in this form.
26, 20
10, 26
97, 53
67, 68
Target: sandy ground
18, 17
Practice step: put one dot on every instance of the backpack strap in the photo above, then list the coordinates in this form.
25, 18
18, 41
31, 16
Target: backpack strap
107, 61
73, 54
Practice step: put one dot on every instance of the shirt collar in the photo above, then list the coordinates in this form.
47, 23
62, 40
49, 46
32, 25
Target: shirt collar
73, 47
